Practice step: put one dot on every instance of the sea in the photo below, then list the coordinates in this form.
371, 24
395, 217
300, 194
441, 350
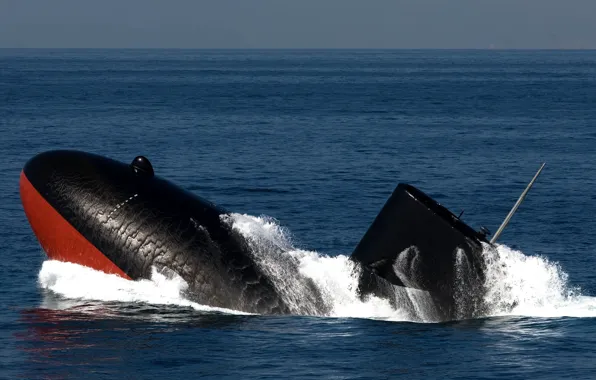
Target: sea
305, 147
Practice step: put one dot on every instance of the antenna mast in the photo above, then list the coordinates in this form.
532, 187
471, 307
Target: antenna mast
515, 207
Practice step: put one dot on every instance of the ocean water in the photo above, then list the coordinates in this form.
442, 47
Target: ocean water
305, 147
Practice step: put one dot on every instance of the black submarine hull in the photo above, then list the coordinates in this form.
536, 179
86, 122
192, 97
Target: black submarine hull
415, 242
137, 220
122, 219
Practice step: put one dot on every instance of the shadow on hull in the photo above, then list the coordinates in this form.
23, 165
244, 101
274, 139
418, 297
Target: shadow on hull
122, 219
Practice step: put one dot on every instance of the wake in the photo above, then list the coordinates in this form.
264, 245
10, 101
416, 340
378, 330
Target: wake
517, 285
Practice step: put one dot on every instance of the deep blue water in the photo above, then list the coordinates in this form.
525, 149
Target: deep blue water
317, 140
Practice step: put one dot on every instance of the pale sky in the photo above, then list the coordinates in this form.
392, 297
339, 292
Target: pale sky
298, 24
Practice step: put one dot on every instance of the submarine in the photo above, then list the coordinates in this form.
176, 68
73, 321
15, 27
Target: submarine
123, 219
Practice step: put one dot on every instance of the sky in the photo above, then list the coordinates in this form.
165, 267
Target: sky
374, 24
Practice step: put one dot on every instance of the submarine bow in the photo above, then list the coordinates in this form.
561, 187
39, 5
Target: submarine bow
123, 219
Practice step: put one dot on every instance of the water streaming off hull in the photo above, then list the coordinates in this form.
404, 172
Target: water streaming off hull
317, 284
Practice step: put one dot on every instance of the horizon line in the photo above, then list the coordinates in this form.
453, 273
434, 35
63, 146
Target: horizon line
307, 49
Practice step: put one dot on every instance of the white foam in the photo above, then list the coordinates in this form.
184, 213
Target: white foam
74, 281
517, 284
531, 286
335, 278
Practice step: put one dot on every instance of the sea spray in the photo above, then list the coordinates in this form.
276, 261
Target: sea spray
276, 258
516, 284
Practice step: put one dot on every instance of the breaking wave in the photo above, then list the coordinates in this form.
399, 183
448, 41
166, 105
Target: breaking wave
516, 284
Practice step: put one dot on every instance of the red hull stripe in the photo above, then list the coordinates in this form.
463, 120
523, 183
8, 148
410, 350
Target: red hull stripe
60, 240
